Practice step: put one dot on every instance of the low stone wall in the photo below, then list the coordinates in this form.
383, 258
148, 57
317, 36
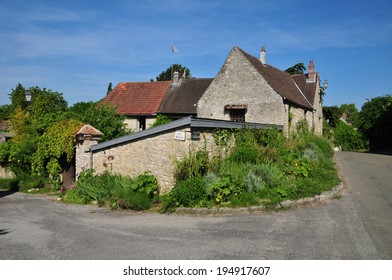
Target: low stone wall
157, 154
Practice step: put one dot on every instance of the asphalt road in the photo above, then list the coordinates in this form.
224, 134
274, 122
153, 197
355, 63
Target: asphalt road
356, 226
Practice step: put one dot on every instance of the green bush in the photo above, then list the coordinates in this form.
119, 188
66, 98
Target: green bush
245, 155
194, 165
8, 184
348, 138
114, 190
188, 193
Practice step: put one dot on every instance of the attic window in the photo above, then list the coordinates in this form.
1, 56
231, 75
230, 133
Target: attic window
237, 112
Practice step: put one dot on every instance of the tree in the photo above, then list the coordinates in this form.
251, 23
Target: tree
101, 116
350, 111
375, 122
331, 115
298, 68
167, 74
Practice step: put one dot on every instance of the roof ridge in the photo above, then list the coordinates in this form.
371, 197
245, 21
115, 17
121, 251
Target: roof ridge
271, 74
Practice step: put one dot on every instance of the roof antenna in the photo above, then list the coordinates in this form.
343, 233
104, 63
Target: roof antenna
173, 49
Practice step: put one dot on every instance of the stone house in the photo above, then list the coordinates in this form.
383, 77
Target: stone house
245, 89
248, 89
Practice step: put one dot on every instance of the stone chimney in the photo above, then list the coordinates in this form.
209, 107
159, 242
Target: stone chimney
263, 57
311, 75
176, 78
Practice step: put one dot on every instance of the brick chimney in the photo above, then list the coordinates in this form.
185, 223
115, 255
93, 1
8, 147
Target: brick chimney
263, 57
311, 75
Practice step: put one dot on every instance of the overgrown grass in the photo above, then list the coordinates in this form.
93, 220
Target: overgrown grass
263, 167
114, 190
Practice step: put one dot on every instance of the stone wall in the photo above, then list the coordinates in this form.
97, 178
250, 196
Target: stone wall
5, 173
238, 83
156, 153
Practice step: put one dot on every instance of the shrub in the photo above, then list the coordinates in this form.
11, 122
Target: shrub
348, 138
263, 175
245, 155
188, 193
145, 183
8, 184
194, 165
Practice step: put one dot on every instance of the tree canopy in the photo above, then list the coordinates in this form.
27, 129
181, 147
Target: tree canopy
375, 122
298, 68
167, 74
43, 141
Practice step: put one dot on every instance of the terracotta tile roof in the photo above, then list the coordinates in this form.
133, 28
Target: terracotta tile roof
137, 98
182, 99
280, 81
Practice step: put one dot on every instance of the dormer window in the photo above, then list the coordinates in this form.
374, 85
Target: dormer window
237, 112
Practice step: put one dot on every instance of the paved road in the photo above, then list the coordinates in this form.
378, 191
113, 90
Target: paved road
370, 179
35, 227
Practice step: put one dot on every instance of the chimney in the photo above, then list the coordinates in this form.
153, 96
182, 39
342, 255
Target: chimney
311, 75
263, 57
176, 77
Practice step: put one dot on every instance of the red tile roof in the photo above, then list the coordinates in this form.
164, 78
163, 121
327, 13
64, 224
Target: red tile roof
137, 98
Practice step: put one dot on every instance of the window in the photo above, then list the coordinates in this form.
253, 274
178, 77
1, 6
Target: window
236, 112
237, 115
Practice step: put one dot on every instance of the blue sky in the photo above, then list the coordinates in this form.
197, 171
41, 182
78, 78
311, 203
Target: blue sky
78, 47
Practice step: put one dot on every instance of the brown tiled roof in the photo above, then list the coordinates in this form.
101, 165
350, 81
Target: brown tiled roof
137, 98
182, 99
280, 81
308, 89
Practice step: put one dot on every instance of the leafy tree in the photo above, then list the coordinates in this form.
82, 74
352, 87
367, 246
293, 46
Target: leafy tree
18, 97
5, 112
101, 116
351, 112
161, 119
55, 149
375, 122
331, 115
298, 68
348, 138
167, 74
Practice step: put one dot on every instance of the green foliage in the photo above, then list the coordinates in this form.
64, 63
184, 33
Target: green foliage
145, 183
101, 116
167, 74
194, 165
348, 138
114, 190
298, 68
55, 148
161, 119
245, 154
331, 115
375, 122
262, 167
187, 193
8, 184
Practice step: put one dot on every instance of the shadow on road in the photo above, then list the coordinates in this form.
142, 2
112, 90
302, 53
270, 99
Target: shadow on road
4, 231
6, 192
